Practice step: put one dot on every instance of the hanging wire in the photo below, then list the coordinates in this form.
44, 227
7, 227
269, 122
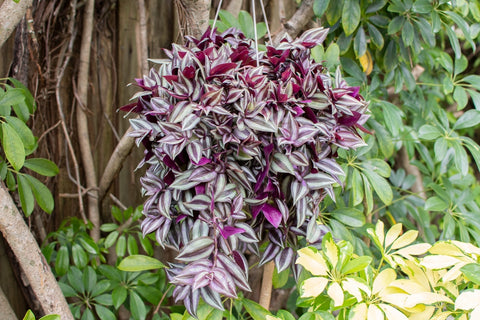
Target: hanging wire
216, 17
266, 22
255, 30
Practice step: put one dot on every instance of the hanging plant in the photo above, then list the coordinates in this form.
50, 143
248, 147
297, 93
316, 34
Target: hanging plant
240, 147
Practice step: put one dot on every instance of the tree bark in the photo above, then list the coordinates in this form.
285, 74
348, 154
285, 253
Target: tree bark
198, 15
266, 290
5, 308
297, 22
35, 270
10, 15
82, 121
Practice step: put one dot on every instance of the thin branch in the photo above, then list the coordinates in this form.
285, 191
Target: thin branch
115, 163
10, 15
59, 73
82, 120
266, 289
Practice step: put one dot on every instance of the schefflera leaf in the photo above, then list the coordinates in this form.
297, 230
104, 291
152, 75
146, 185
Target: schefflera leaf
246, 144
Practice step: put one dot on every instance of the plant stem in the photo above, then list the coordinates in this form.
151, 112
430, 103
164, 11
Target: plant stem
266, 289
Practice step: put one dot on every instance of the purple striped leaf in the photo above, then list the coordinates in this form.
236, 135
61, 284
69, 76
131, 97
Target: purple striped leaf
196, 249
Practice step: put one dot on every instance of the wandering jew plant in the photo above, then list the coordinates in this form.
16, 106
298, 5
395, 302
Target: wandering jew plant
240, 147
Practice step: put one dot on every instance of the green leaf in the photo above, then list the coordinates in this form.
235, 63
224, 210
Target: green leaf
429, 132
108, 227
13, 146
380, 185
454, 42
29, 315
284, 315
228, 19
350, 67
80, 257
407, 33
137, 306
25, 194
42, 194
89, 245
106, 298
139, 263
469, 119
62, 261
349, 216
256, 311
67, 290
426, 30
435, 204
280, 279
357, 187
110, 239
104, 313
461, 97
350, 16
356, 265
119, 295
440, 148
472, 272
88, 315
359, 43
42, 166
375, 35
12, 96
319, 7
121, 247
29, 100
334, 12
474, 149
474, 80
132, 246
332, 56
460, 65
461, 158
246, 24
475, 98
89, 278
24, 132
396, 24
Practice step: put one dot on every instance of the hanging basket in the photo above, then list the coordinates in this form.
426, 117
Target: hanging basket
240, 147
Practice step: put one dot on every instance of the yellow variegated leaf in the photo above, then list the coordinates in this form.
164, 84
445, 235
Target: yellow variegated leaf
313, 287
405, 239
446, 248
393, 234
467, 247
439, 261
366, 62
397, 299
335, 292
383, 280
414, 250
353, 287
312, 261
269, 317
409, 286
331, 251
442, 315
468, 300
359, 312
379, 231
425, 314
475, 313
374, 312
453, 273
426, 298
391, 313
417, 274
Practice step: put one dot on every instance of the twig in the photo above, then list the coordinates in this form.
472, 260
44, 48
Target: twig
266, 289
118, 202
59, 73
48, 130
82, 121
115, 163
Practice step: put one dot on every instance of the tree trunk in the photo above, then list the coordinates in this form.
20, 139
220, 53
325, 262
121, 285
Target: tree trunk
10, 15
36, 273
